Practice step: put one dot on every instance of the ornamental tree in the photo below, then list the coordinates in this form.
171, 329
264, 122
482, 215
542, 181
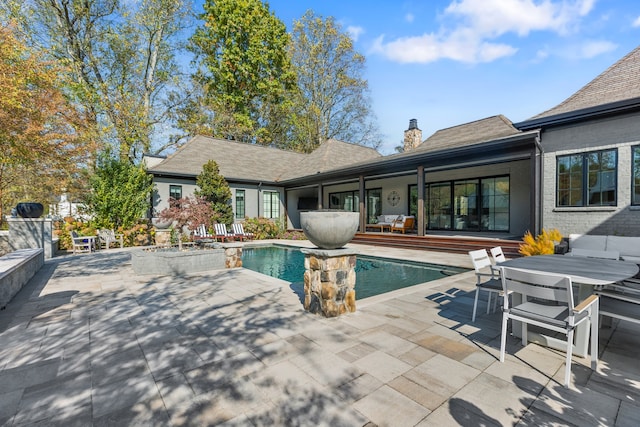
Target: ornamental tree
214, 188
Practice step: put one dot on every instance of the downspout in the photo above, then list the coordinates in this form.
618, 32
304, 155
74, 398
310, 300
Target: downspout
539, 182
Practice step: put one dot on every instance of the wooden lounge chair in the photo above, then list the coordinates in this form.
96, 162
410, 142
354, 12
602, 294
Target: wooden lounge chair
404, 224
201, 232
238, 231
222, 233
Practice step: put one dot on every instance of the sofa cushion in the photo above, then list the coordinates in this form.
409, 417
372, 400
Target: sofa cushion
586, 241
629, 246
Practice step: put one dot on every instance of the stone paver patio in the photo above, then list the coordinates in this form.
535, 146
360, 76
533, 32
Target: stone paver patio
88, 342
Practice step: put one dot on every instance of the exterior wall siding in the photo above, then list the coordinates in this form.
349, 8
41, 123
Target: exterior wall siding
623, 219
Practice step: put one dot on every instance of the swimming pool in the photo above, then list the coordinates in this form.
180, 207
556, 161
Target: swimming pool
374, 276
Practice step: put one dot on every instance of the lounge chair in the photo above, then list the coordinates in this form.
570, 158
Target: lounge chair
106, 237
238, 231
222, 233
403, 224
201, 232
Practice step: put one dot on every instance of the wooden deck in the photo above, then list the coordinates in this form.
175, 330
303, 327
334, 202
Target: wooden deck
453, 244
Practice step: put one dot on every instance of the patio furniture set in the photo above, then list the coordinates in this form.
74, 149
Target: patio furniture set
391, 223
539, 291
103, 240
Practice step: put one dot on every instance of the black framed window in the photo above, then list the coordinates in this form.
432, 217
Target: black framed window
240, 206
635, 183
374, 204
345, 200
175, 192
478, 204
413, 201
587, 179
271, 204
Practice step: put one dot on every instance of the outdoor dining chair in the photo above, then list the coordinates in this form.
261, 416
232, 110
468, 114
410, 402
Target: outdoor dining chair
547, 302
498, 255
487, 279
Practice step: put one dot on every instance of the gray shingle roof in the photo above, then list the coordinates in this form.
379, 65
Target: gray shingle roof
619, 82
241, 161
488, 129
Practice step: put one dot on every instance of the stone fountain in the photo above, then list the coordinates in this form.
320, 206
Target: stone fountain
330, 276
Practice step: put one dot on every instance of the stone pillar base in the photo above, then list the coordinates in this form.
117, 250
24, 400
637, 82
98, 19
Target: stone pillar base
329, 281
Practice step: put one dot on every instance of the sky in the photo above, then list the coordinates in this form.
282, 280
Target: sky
447, 63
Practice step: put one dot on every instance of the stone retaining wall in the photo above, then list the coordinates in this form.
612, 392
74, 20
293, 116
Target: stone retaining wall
16, 269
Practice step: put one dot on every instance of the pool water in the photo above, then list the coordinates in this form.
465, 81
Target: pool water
374, 276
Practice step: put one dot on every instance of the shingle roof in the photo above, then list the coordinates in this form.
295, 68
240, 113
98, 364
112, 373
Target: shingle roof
241, 161
487, 129
619, 82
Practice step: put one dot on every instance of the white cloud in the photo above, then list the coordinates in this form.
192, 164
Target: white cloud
474, 26
409, 17
636, 22
591, 49
355, 32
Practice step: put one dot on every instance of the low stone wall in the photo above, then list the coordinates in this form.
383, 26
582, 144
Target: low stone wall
171, 261
329, 281
16, 269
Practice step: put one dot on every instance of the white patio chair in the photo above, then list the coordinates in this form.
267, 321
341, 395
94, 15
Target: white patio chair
498, 255
81, 243
551, 307
488, 280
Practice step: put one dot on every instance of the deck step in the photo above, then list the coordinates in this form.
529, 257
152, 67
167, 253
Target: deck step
453, 244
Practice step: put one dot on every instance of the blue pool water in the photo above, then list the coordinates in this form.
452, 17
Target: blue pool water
374, 276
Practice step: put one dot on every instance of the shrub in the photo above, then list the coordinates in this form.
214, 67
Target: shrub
262, 228
62, 229
189, 212
543, 244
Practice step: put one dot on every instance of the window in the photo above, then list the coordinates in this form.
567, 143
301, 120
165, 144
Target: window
635, 184
495, 204
271, 204
587, 179
439, 205
479, 204
240, 204
175, 192
345, 200
374, 204
413, 200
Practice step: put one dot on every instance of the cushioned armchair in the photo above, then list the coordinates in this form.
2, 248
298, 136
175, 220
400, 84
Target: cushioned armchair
403, 224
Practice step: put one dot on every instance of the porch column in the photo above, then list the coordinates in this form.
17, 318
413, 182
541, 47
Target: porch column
362, 206
320, 196
421, 222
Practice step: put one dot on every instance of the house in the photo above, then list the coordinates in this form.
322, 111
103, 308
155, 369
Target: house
477, 177
591, 154
575, 167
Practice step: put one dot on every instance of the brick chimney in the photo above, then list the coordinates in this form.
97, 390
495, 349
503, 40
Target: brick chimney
412, 136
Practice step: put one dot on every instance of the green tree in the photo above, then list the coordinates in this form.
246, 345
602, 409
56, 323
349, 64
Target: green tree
120, 59
41, 144
121, 192
245, 70
215, 189
333, 99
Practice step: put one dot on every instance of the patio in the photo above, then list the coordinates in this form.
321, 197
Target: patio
87, 342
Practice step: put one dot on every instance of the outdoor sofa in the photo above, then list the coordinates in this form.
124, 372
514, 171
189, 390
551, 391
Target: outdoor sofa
627, 248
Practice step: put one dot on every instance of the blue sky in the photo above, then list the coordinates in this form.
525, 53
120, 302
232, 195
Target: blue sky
446, 63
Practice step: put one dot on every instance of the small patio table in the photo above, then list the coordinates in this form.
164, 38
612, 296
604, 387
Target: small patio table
586, 273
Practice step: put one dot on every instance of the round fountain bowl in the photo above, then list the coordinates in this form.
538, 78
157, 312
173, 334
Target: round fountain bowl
329, 229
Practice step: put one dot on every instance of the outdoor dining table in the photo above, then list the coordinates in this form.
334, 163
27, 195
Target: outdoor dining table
584, 272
